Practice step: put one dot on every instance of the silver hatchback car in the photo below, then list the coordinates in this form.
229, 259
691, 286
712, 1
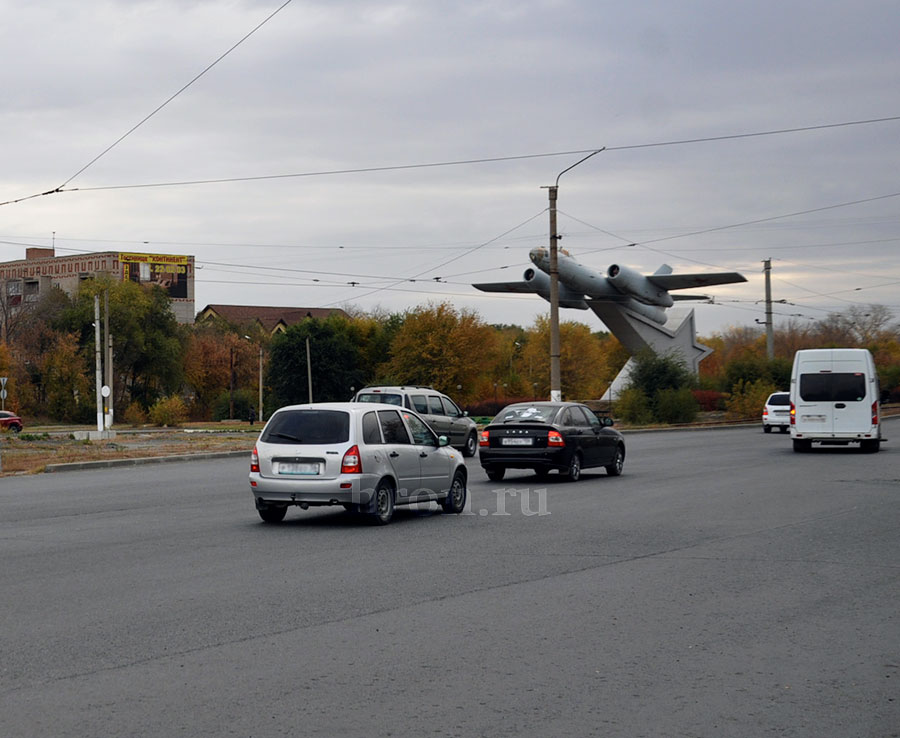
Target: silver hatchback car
367, 459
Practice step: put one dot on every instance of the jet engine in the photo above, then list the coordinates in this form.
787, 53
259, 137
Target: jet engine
636, 285
540, 282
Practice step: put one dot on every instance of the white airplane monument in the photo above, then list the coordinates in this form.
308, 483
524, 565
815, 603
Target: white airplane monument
635, 307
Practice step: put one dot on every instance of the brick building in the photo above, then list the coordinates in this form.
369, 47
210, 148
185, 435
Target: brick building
26, 280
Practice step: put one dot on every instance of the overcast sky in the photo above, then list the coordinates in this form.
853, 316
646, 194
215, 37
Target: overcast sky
327, 87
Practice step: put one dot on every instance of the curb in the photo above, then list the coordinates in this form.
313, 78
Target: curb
109, 463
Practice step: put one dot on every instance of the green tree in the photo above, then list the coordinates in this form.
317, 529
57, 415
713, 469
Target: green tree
148, 343
335, 358
666, 381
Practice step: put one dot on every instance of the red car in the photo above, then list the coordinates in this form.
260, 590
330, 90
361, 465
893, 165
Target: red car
10, 421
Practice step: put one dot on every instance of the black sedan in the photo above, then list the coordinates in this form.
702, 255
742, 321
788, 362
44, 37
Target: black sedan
544, 436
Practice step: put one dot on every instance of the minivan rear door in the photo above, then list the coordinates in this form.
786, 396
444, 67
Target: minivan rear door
852, 408
832, 398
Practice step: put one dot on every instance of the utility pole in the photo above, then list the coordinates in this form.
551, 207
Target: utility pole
309, 369
107, 342
231, 383
99, 371
109, 382
555, 383
770, 331
261, 414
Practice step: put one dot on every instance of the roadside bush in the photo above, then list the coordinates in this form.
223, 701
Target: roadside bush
633, 407
710, 400
652, 372
244, 399
675, 406
135, 415
748, 398
168, 411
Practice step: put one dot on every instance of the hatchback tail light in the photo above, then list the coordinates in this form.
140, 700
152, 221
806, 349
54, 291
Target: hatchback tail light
554, 438
765, 411
351, 463
254, 461
485, 438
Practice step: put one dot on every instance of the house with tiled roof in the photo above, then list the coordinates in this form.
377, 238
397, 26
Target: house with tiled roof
270, 319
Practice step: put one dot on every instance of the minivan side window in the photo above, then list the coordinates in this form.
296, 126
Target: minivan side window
836, 387
450, 407
420, 405
434, 405
421, 433
392, 427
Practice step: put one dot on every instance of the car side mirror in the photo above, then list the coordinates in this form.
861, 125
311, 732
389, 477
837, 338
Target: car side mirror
607, 421
443, 441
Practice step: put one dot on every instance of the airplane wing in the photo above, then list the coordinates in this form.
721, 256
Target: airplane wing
520, 287
684, 281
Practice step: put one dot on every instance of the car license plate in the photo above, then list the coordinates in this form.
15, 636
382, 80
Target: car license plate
814, 418
515, 441
296, 467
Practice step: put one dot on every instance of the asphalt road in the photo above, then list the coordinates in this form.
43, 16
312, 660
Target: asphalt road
723, 586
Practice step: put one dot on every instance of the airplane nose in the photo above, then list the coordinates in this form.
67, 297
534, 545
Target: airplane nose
537, 255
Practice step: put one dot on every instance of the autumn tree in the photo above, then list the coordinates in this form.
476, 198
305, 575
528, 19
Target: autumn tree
212, 354
35, 336
588, 362
444, 348
67, 391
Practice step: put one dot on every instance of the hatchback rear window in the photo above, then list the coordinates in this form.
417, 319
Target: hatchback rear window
782, 398
308, 427
836, 387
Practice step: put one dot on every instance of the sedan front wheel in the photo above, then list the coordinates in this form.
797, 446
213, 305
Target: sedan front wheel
615, 469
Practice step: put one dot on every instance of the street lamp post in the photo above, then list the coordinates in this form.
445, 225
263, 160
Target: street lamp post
555, 383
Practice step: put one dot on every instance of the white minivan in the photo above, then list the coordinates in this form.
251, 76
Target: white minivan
835, 399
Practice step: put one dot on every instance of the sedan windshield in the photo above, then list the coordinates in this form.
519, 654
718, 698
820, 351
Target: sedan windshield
527, 413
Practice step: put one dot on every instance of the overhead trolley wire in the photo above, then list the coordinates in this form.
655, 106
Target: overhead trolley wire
428, 165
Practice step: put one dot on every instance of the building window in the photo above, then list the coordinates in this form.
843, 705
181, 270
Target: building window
14, 293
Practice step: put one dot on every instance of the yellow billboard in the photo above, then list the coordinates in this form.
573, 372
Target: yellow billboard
166, 270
